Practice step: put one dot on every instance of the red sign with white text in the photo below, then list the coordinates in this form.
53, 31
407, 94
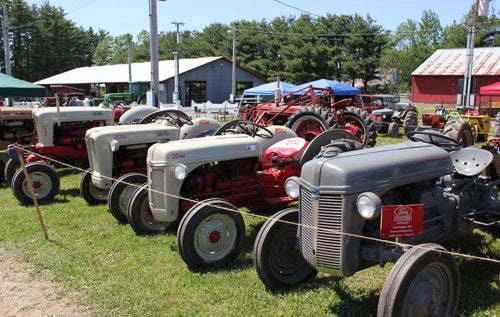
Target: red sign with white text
402, 221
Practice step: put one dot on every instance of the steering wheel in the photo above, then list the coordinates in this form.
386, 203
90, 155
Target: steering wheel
177, 119
438, 139
254, 129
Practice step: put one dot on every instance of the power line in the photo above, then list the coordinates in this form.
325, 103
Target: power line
299, 9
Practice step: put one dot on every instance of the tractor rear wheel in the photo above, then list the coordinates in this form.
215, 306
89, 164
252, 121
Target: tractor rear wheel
121, 193
410, 122
44, 180
308, 122
359, 123
140, 216
210, 233
340, 146
276, 254
460, 130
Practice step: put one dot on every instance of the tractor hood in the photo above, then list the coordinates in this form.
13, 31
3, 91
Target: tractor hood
69, 114
132, 134
202, 150
378, 168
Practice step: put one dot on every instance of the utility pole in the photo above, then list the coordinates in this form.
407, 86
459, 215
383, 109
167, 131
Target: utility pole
175, 97
6, 41
233, 76
155, 77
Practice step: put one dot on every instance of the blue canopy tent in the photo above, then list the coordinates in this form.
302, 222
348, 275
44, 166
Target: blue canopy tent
270, 89
339, 89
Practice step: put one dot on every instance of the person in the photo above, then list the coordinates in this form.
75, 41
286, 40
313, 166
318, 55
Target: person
74, 102
86, 101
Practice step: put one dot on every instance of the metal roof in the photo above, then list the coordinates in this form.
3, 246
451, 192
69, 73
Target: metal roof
119, 73
452, 62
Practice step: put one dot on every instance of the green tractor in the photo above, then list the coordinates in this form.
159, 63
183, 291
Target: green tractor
136, 93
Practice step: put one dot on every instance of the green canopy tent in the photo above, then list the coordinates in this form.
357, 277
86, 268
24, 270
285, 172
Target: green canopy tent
13, 87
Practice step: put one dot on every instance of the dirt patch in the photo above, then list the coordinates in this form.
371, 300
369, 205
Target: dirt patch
21, 294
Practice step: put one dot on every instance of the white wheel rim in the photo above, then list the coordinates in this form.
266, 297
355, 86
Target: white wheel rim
215, 237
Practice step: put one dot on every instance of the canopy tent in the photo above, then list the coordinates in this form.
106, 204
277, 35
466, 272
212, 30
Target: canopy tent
270, 89
13, 87
339, 89
493, 89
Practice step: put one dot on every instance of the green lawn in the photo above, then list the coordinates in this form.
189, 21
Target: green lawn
121, 274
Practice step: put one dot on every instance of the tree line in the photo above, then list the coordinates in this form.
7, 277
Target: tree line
43, 42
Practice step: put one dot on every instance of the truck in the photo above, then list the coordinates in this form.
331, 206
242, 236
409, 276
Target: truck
394, 203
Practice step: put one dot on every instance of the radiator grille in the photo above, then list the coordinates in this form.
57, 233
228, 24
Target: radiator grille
157, 177
321, 248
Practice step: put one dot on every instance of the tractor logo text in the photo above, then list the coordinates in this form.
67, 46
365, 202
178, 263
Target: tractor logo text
179, 155
403, 213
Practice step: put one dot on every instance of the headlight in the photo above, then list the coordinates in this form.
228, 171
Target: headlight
369, 205
180, 172
292, 188
115, 145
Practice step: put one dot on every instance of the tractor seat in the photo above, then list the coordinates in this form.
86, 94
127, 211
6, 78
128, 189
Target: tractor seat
291, 148
471, 161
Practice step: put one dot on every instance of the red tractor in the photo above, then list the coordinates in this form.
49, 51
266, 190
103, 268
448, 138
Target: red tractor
311, 111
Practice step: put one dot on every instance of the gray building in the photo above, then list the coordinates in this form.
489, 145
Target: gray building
200, 79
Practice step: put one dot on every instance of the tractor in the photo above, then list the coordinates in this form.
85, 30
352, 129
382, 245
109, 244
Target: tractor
60, 138
243, 165
136, 93
119, 153
393, 203
389, 120
311, 111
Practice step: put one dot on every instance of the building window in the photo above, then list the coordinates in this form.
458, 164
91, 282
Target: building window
241, 86
196, 90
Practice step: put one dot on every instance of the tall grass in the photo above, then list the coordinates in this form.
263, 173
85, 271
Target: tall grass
120, 274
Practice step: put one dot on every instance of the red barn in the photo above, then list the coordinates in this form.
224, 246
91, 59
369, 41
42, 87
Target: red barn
437, 80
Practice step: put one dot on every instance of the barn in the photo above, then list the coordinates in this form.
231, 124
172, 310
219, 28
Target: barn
199, 79
439, 79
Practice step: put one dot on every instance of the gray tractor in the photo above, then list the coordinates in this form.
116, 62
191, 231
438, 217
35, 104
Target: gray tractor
393, 203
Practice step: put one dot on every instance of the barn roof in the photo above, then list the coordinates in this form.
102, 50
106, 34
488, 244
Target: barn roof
452, 62
119, 73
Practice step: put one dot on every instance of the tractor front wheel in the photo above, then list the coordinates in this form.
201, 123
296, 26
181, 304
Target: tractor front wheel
90, 193
393, 131
44, 180
210, 233
276, 255
121, 193
140, 216
423, 282
10, 169
359, 123
310, 121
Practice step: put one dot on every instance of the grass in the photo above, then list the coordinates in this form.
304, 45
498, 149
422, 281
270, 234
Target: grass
120, 274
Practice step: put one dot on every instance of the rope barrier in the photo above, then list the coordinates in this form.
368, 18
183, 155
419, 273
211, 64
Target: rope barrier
395, 243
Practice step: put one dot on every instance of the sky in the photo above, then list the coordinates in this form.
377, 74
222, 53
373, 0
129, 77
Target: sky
132, 16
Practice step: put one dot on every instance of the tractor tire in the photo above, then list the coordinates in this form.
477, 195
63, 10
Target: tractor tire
2, 173
45, 183
423, 282
121, 193
393, 130
460, 130
358, 122
90, 193
10, 169
339, 146
140, 216
410, 122
210, 233
276, 255
310, 121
